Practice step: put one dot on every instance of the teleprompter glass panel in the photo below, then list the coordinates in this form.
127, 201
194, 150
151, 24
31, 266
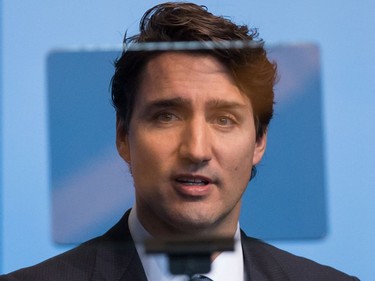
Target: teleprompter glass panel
91, 186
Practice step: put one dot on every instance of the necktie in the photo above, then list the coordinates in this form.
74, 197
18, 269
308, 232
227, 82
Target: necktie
198, 277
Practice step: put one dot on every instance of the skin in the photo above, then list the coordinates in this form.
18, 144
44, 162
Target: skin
191, 145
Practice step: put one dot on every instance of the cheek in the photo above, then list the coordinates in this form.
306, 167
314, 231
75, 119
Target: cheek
142, 145
237, 153
149, 156
242, 165
141, 151
237, 164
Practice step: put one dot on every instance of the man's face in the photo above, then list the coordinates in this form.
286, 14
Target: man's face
191, 145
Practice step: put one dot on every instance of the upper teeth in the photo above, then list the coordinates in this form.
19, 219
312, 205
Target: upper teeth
192, 180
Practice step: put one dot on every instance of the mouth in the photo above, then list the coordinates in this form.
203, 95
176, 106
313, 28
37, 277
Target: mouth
193, 185
191, 181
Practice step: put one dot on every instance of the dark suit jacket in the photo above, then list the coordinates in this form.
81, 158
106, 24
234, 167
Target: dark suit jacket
113, 257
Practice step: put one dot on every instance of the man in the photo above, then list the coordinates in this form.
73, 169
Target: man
191, 125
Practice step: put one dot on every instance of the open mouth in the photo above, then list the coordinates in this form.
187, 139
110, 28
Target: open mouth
192, 181
193, 186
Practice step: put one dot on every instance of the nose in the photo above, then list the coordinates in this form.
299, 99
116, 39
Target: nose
196, 143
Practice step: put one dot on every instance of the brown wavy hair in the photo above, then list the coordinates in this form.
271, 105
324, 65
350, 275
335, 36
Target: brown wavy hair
254, 74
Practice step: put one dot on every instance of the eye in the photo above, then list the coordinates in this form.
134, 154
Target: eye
166, 117
225, 121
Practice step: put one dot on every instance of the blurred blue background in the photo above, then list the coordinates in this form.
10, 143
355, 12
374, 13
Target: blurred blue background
344, 32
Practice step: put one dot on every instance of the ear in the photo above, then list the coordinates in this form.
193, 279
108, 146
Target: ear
122, 142
260, 148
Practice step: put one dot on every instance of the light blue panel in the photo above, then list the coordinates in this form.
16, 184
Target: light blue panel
91, 187
287, 200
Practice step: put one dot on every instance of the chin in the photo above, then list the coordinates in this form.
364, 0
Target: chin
192, 224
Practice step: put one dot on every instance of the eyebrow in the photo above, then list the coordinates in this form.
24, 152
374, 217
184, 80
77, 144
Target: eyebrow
220, 103
182, 102
160, 103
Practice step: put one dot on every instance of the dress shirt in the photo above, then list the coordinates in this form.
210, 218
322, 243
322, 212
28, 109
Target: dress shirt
226, 266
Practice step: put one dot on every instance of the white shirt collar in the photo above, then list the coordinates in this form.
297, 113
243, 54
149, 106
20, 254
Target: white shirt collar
226, 266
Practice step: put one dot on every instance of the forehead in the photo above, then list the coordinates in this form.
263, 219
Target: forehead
185, 61
189, 75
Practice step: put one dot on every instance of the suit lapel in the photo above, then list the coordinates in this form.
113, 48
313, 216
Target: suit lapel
117, 258
259, 264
